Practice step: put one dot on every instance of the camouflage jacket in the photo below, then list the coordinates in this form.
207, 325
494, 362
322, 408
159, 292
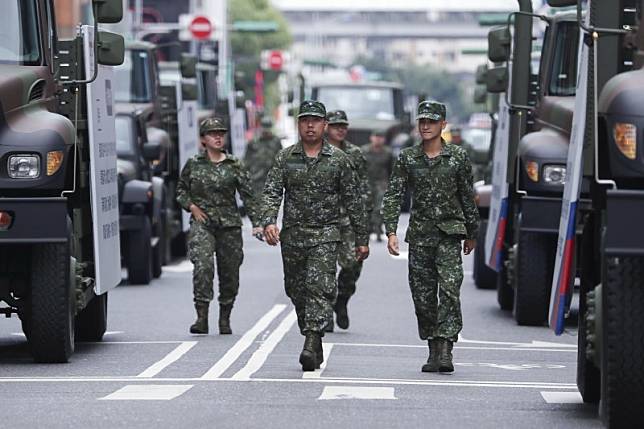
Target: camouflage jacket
379, 165
360, 168
211, 187
314, 191
441, 191
259, 157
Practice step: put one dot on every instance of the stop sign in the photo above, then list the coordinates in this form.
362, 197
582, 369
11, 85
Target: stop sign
200, 28
276, 60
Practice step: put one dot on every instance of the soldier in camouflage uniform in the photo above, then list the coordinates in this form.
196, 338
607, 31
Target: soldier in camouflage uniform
380, 161
439, 176
207, 189
350, 268
316, 180
260, 154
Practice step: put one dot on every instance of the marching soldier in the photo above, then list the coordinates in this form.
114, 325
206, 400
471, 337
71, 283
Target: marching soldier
350, 267
380, 161
444, 213
260, 154
316, 180
206, 189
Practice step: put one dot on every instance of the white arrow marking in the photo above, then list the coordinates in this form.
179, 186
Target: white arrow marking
535, 344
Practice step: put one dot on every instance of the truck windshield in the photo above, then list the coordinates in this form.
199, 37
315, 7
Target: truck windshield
133, 78
359, 102
19, 33
124, 136
563, 80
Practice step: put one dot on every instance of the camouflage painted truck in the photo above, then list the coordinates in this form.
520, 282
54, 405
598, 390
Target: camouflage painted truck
534, 130
59, 234
606, 163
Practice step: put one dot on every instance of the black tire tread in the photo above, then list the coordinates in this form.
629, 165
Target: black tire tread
139, 254
91, 322
484, 276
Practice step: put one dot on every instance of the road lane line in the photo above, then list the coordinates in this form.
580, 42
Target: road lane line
414, 346
242, 344
148, 392
354, 392
318, 372
562, 397
258, 358
168, 360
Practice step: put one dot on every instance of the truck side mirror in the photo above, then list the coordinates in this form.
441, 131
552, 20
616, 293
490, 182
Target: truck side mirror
188, 66
499, 40
111, 49
189, 91
108, 11
561, 3
152, 151
497, 80
480, 94
481, 71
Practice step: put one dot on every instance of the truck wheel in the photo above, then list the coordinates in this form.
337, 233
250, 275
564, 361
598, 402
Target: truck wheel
139, 254
158, 252
588, 376
52, 304
533, 274
91, 322
179, 246
484, 276
504, 292
622, 372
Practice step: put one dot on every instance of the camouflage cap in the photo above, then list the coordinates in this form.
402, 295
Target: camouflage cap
312, 108
212, 124
378, 133
433, 110
337, 117
266, 122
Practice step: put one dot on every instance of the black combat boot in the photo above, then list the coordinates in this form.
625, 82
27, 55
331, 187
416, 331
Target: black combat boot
308, 357
342, 315
224, 319
201, 325
432, 361
319, 352
445, 358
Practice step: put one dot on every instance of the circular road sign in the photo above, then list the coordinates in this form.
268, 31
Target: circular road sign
200, 28
276, 60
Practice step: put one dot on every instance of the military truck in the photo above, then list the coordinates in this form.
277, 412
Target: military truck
606, 162
59, 232
539, 105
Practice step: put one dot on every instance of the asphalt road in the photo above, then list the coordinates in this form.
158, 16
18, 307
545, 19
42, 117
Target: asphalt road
150, 372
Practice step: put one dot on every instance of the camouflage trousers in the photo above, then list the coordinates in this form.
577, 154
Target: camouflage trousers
226, 244
350, 268
435, 277
309, 281
375, 218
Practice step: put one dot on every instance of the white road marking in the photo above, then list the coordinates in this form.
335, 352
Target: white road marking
244, 342
353, 392
168, 360
538, 344
562, 397
184, 266
148, 392
414, 346
261, 354
327, 347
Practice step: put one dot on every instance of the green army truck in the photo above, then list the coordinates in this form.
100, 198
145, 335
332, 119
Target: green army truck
606, 162
59, 235
540, 104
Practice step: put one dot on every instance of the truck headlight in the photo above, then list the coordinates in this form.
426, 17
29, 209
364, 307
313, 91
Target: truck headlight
626, 139
554, 174
24, 166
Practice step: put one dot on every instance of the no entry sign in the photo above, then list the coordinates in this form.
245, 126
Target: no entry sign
200, 28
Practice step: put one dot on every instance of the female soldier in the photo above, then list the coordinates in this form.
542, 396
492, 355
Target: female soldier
206, 189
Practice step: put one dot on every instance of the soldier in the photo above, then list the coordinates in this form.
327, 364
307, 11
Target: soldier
439, 176
260, 154
316, 180
380, 161
350, 268
206, 189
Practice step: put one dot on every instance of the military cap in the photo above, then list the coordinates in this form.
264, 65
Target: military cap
337, 117
266, 122
312, 108
378, 133
432, 110
212, 124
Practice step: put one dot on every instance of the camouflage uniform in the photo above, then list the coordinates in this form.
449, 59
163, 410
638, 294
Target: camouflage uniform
259, 157
379, 166
443, 213
211, 187
314, 191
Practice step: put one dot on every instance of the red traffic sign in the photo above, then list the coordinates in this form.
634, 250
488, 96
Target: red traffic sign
200, 28
275, 60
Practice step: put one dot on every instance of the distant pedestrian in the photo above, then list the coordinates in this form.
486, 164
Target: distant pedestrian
316, 181
380, 161
207, 189
260, 155
443, 214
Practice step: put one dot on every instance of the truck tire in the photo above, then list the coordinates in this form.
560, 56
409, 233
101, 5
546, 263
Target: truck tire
91, 322
588, 376
139, 254
179, 245
158, 252
484, 276
534, 269
622, 372
51, 305
504, 292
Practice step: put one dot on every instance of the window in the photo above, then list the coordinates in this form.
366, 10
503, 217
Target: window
19, 42
132, 78
359, 102
125, 141
563, 76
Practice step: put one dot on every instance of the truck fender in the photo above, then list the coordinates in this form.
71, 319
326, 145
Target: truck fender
136, 191
545, 146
